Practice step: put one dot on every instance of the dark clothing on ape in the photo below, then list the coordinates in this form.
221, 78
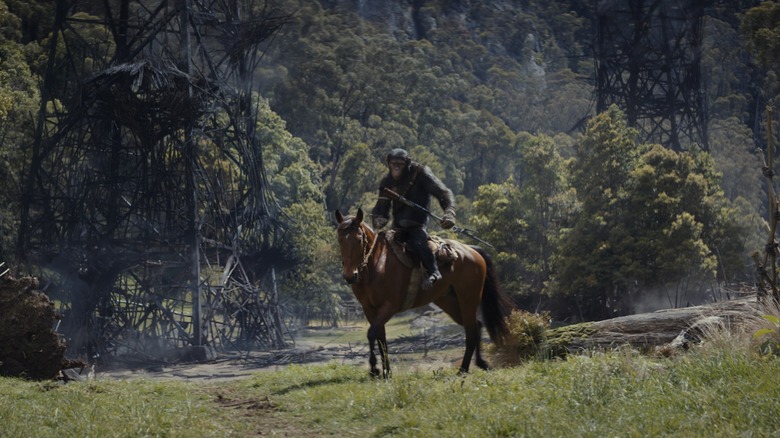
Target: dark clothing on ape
418, 185
417, 239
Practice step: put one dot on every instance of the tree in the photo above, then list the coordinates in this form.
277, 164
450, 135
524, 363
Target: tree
761, 27
19, 98
498, 217
677, 220
310, 287
524, 217
547, 200
590, 255
736, 158
650, 219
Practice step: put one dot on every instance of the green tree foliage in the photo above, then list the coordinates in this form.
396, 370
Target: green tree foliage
460, 87
725, 74
682, 227
311, 287
461, 93
738, 161
35, 18
761, 27
547, 201
18, 86
524, 217
650, 218
590, 252
19, 98
498, 217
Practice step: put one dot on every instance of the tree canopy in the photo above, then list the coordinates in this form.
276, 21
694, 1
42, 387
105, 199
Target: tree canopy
243, 128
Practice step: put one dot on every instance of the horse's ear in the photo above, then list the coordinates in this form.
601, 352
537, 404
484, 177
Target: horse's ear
359, 216
339, 216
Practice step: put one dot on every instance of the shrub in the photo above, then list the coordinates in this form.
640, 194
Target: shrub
527, 333
766, 324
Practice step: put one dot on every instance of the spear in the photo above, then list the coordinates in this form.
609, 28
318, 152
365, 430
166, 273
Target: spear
457, 229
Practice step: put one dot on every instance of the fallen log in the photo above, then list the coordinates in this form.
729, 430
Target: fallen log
647, 331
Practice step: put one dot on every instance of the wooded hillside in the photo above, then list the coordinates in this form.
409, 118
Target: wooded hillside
171, 167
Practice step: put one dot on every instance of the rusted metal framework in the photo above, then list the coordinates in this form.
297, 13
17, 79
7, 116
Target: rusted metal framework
648, 55
146, 211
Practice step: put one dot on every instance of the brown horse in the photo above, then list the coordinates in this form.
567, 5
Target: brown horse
384, 286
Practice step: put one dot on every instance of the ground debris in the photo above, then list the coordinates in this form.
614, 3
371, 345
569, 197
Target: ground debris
29, 346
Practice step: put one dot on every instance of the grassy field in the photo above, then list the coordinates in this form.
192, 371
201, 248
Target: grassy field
716, 391
723, 388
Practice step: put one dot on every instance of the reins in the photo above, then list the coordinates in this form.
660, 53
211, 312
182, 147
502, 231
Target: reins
367, 254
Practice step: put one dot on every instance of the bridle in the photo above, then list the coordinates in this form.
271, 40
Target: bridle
367, 250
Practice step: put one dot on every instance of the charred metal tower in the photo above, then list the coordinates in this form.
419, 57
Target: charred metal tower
647, 62
146, 208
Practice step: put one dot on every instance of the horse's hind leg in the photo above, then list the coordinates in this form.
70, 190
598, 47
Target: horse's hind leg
478, 350
451, 306
472, 345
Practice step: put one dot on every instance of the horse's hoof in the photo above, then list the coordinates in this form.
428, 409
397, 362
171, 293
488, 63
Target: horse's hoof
483, 365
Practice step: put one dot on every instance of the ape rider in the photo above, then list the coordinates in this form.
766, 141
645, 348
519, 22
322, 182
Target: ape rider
416, 183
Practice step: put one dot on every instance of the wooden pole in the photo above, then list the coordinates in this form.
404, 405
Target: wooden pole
190, 158
768, 270
773, 206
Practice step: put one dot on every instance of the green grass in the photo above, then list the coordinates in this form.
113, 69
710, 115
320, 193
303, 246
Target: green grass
723, 388
617, 394
107, 408
718, 391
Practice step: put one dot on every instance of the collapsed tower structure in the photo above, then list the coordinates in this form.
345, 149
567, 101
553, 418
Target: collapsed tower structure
648, 55
146, 211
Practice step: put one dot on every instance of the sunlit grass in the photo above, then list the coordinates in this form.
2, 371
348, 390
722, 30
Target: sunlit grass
107, 408
707, 393
720, 388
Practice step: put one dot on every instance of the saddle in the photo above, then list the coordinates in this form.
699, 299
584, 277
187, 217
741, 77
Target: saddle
444, 253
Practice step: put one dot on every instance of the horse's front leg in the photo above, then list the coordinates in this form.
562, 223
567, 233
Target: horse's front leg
382, 341
372, 340
378, 336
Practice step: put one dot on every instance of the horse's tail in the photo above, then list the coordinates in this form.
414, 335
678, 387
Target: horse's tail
496, 305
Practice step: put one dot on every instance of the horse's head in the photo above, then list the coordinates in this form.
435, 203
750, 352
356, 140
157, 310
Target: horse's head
355, 239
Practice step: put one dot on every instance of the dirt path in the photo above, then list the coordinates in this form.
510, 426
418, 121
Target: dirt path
443, 348
230, 365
